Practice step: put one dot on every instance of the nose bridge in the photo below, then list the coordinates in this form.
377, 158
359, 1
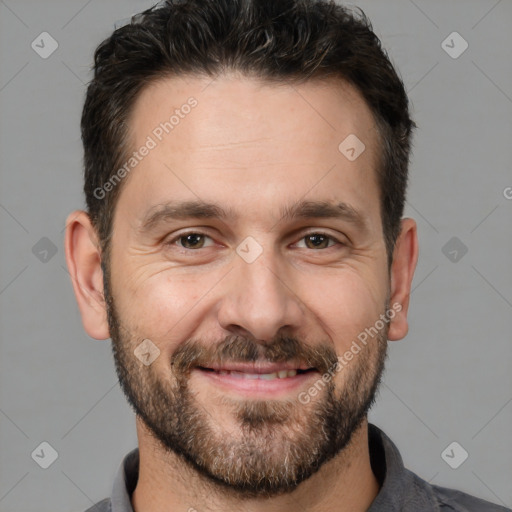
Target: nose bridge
258, 299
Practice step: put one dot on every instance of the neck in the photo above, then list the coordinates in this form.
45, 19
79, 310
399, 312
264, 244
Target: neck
345, 483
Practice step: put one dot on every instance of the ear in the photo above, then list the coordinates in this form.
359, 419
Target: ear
83, 258
405, 257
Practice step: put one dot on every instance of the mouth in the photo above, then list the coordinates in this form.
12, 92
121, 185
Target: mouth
261, 375
260, 380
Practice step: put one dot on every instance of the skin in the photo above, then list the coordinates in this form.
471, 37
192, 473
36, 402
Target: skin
253, 148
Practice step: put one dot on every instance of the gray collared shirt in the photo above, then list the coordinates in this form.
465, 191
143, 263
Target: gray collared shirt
401, 490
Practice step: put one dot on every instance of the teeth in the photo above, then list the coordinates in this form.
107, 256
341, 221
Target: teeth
282, 374
268, 376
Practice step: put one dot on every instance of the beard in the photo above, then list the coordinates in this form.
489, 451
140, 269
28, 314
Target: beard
275, 444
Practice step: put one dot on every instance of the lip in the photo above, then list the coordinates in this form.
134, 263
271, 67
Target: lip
261, 367
256, 387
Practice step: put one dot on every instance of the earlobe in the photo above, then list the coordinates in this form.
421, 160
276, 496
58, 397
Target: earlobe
405, 257
83, 258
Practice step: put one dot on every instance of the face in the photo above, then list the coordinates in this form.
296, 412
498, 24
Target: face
250, 298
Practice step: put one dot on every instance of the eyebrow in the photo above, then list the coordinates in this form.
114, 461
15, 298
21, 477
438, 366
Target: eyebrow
184, 210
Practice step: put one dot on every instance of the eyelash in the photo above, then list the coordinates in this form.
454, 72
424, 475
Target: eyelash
184, 249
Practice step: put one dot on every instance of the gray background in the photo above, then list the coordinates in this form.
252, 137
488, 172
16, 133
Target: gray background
449, 380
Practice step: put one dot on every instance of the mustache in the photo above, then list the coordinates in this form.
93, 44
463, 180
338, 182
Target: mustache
237, 349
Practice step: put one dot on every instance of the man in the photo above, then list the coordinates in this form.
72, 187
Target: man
244, 248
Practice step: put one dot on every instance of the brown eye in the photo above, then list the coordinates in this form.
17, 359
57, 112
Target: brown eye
191, 240
318, 241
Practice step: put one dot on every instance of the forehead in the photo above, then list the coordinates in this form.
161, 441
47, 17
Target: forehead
236, 138
327, 109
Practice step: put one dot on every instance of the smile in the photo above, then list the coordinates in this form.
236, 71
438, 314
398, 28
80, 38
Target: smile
282, 374
250, 380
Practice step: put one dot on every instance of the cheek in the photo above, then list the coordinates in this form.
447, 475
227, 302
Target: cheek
161, 305
346, 303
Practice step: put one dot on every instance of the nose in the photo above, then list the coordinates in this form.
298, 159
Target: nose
259, 300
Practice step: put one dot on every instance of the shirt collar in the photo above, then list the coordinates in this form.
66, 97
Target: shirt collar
125, 483
399, 486
400, 489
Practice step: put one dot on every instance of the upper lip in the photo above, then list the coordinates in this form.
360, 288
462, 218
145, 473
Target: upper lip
260, 368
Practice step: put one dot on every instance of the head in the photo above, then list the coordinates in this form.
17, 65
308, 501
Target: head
218, 138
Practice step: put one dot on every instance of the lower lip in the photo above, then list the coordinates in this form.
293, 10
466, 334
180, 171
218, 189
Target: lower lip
258, 387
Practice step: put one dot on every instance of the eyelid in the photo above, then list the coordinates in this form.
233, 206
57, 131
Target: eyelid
317, 231
177, 237
325, 234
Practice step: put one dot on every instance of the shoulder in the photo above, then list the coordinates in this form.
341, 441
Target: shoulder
402, 489
458, 501
101, 506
